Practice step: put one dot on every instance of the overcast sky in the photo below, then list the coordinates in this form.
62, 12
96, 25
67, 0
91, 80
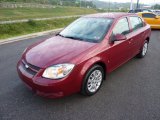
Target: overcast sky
141, 1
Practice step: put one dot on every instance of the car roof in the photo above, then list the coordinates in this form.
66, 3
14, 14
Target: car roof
145, 12
110, 15
140, 9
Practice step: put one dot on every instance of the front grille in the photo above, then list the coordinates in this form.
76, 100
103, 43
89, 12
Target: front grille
31, 69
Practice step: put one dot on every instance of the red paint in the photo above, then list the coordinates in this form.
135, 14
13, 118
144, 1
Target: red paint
58, 50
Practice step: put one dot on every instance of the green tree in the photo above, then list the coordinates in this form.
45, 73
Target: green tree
156, 6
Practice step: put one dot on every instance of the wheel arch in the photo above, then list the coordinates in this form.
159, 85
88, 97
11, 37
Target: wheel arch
148, 39
83, 82
104, 66
94, 61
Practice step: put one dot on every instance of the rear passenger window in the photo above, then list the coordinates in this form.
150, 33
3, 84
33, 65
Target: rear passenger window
121, 27
148, 15
136, 23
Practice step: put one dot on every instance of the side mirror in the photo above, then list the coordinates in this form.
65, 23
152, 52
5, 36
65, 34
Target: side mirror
118, 37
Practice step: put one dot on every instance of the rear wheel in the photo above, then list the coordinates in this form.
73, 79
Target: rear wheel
93, 80
143, 52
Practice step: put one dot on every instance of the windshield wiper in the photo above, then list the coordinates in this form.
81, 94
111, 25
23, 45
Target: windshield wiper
60, 35
71, 37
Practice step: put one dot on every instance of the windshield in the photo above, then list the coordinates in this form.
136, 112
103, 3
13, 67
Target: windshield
87, 29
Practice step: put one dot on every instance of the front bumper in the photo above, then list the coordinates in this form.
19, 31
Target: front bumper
46, 87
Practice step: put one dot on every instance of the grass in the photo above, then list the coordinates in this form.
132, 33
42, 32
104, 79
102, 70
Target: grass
30, 13
16, 29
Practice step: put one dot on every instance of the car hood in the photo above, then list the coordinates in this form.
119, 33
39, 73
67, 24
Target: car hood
55, 50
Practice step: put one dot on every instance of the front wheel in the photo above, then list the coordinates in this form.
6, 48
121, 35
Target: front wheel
143, 52
93, 80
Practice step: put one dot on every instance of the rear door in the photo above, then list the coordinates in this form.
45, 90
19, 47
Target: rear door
137, 34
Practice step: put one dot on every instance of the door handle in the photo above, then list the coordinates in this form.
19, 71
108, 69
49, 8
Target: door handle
143, 33
130, 40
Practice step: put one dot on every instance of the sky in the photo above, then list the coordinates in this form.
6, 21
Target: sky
141, 1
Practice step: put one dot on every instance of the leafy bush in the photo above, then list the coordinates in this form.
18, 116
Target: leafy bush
31, 22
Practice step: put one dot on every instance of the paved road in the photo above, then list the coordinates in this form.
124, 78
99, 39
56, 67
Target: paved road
132, 92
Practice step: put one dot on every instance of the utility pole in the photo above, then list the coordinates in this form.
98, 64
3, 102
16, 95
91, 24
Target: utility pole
131, 5
92, 3
137, 4
86, 3
109, 6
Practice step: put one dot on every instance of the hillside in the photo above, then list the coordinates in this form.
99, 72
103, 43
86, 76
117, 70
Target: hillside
83, 3
30, 1
29, 13
114, 5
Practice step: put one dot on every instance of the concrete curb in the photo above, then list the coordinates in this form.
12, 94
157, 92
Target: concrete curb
24, 37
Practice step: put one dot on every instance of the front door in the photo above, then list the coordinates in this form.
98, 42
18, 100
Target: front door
119, 51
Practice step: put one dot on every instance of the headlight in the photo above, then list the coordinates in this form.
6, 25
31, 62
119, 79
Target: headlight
58, 71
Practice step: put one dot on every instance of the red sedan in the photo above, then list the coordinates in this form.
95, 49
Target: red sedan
78, 58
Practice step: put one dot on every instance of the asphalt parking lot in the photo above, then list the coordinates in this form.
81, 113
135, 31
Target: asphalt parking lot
132, 92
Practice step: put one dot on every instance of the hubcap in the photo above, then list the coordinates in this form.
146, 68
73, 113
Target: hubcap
145, 47
94, 81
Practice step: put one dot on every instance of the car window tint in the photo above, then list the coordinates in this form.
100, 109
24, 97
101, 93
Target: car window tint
121, 27
148, 15
136, 23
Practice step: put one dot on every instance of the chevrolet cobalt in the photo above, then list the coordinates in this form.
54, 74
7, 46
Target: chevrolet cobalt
78, 58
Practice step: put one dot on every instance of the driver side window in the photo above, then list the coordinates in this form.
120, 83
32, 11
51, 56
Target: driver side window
122, 27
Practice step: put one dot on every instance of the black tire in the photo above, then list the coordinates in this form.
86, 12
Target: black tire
85, 89
141, 54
